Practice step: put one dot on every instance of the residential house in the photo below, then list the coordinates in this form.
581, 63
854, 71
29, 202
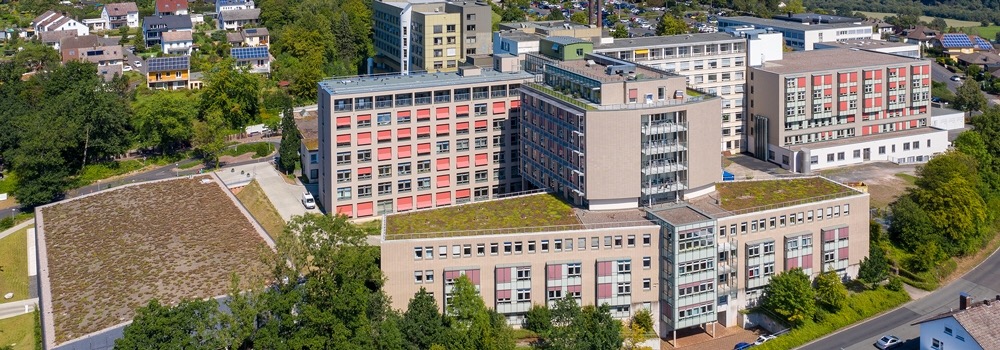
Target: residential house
153, 27
985, 60
168, 73
171, 7
255, 37
120, 14
920, 35
957, 44
52, 21
973, 326
52, 39
229, 5
178, 42
107, 55
235, 39
254, 59
237, 19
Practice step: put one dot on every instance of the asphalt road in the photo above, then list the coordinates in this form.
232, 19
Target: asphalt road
981, 283
942, 74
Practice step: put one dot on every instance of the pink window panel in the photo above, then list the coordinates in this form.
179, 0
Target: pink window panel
503, 275
442, 129
481, 123
424, 201
365, 171
604, 268
503, 294
450, 275
423, 131
344, 138
443, 181
364, 138
552, 289
554, 272
499, 107
346, 209
473, 276
603, 290
465, 193
404, 203
385, 153
842, 253
807, 261
515, 104
462, 110
443, 198
442, 113
443, 164
343, 121
482, 159
829, 235
462, 126
844, 232
462, 162
791, 263
424, 148
633, 93
384, 135
403, 133
403, 114
403, 151
365, 209
364, 118
423, 114
575, 288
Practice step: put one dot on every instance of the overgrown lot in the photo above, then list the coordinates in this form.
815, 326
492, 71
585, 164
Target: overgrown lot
112, 252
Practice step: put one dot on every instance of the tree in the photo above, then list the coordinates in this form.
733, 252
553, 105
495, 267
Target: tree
290, 139
830, 291
791, 296
620, 31
957, 212
476, 326
164, 120
968, 98
423, 326
795, 6
513, 14
539, 320
670, 25
596, 329
938, 24
910, 226
875, 267
644, 319
633, 335
122, 35
233, 93
209, 137
189, 325
139, 43
555, 15
579, 17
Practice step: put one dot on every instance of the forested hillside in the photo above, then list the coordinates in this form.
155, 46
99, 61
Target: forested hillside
970, 10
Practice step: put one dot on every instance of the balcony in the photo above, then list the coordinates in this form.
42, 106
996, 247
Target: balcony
442, 99
663, 187
383, 104
661, 147
662, 167
461, 97
501, 93
404, 102
663, 128
346, 107
480, 95
423, 100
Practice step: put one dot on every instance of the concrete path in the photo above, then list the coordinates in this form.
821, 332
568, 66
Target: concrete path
17, 227
18, 308
286, 198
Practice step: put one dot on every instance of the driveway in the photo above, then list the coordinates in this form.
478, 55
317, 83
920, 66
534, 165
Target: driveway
285, 197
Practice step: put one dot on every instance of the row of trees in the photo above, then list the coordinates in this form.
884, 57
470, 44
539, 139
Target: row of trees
65, 117
324, 291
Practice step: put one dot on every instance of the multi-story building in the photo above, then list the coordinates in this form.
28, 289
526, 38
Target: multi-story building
52, 21
832, 107
171, 7
123, 14
168, 73
405, 142
89, 48
519, 38
434, 36
255, 59
883, 46
238, 19
611, 134
178, 42
229, 5
153, 27
714, 62
802, 31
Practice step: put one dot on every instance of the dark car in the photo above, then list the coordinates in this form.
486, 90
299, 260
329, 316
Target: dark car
742, 346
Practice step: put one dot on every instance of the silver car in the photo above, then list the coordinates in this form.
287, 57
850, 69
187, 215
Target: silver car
886, 342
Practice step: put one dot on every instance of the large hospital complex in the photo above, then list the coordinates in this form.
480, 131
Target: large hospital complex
557, 162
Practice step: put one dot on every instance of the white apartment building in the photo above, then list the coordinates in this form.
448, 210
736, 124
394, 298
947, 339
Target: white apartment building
803, 31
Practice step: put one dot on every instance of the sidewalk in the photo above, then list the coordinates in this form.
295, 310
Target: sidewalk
18, 308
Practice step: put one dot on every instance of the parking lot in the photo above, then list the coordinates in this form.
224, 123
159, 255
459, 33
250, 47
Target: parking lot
285, 197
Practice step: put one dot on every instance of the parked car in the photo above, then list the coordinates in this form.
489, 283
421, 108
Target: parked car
956, 78
763, 339
126, 68
886, 342
138, 63
742, 346
308, 200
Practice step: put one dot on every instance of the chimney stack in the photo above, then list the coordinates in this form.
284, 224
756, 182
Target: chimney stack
963, 301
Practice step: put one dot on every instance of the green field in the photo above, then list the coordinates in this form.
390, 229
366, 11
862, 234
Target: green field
951, 22
988, 33
18, 331
14, 259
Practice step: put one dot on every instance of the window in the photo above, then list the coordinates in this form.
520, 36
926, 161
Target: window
481, 142
545, 245
753, 251
881, 149
482, 176
443, 146
418, 253
418, 277
647, 263
646, 239
531, 246
631, 241
557, 245
424, 183
480, 249
384, 171
624, 266
828, 257
768, 269
480, 109
573, 270
947, 331
344, 158
403, 168
462, 145
404, 186
624, 288
937, 344
523, 273
384, 188
523, 295
429, 276
829, 157
443, 251
344, 175
647, 284
364, 191
344, 193
554, 294
364, 156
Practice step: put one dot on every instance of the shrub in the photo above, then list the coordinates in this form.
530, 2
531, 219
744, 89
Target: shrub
6, 223
895, 284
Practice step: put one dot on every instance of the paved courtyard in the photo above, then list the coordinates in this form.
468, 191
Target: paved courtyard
287, 198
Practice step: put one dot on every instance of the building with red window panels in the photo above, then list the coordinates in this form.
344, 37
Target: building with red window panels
818, 109
405, 142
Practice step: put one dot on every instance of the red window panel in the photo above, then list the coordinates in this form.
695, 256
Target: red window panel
850, 119
443, 164
913, 123
892, 85
504, 293
452, 275
791, 263
553, 289
633, 93
364, 138
843, 232
442, 113
424, 201
473, 276
462, 162
462, 110
343, 121
807, 261
828, 92
878, 74
482, 159
817, 80
843, 105
345, 209
854, 76
878, 101
344, 139
854, 89
603, 290
443, 198
385, 153
464, 193
499, 107
604, 268
843, 91
402, 114
515, 104
424, 114
404, 203
503, 275
462, 126
403, 133
802, 82
574, 288
385, 135
869, 102
829, 235
423, 131
842, 253
554, 272
443, 181
424, 148
365, 209
482, 123
865, 130
364, 118
403, 151
442, 129
365, 171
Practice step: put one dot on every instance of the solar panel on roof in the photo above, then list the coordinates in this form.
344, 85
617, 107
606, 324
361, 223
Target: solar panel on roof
983, 44
168, 63
249, 53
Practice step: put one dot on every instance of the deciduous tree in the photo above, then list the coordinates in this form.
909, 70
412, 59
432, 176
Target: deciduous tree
791, 296
670, 25
874, 268
233, 93
422, 324
164, 120
969, 98
830, 291
188, 325
290, 138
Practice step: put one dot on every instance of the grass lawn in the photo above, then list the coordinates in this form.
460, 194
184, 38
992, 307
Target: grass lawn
743, 195
988, 33
189, 164
18, 331
259, 149
910, 179
951, 22
111, 252
14, 259
8, 183
519, 212
859, 306
252, 196
92, 173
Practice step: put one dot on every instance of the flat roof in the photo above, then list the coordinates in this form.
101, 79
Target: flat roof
740, 197
598, 72
669, 40
105, 254
866, 138
832, 59
940, 111
393, 82
767, 22
680, 215
867, 44
520, 36
308, 126
555, 24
